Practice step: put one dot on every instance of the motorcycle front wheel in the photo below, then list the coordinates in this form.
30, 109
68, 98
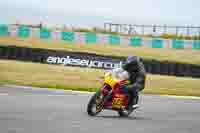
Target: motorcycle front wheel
92, 105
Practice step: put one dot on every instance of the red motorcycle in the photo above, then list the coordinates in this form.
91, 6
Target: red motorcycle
112, 96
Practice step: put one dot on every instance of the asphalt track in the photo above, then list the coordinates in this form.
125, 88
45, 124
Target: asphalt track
27, 110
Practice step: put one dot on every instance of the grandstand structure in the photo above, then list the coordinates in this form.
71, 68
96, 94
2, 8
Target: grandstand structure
156, 30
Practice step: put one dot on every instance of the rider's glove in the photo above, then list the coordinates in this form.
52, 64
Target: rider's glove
124, 87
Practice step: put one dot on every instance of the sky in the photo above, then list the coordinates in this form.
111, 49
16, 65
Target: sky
96, 12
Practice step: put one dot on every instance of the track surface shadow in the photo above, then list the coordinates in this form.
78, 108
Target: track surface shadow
122, 118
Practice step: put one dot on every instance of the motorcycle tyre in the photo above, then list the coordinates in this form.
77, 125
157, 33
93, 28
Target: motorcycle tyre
91, 103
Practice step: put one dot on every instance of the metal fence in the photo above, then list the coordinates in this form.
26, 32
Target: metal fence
152, 29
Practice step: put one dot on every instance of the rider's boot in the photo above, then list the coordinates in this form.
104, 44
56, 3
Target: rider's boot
133, 103
135, 106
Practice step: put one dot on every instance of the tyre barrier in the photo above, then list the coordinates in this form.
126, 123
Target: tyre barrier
152, 66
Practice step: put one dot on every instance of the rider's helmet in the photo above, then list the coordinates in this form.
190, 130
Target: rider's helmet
131, 63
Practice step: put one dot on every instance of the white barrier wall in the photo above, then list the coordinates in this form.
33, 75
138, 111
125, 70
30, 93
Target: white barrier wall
94, 38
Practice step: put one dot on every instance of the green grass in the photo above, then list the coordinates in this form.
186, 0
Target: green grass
85, 79
182, 56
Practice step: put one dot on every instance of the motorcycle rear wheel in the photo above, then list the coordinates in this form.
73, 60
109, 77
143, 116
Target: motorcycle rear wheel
126, 113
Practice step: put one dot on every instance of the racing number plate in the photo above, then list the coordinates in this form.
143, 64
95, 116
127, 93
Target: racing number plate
117, 102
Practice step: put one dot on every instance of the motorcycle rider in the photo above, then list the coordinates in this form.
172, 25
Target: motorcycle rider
135, 67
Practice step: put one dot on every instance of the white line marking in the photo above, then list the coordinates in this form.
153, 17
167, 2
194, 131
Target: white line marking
182, 97
80, 92
85, 92
56, 95
3, 94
